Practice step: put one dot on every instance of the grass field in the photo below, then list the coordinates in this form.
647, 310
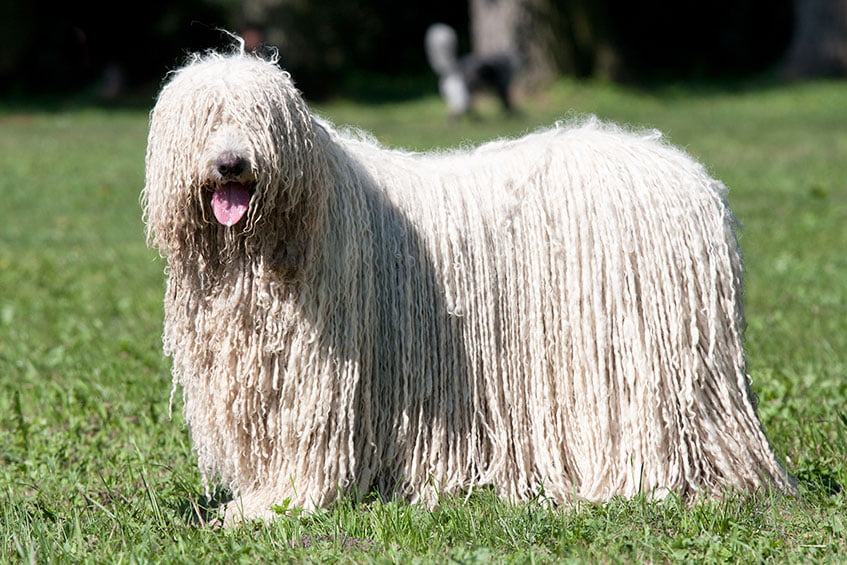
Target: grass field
93, 468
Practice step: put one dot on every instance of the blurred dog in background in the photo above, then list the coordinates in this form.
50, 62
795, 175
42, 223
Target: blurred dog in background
459, 78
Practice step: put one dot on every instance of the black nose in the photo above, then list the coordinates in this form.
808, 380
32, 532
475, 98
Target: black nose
230, 165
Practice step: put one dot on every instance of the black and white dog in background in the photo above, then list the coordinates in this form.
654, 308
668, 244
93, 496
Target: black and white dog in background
459, 78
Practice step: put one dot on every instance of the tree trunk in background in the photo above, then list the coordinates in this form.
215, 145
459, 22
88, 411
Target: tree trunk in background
819, 44
581, 41
515, 25
553, 36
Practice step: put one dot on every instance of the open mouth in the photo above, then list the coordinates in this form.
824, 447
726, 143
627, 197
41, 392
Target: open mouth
230, 202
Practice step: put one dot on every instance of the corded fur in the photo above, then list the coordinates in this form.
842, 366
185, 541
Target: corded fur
557, 313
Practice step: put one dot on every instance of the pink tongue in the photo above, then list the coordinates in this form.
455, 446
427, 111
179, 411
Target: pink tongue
229, 203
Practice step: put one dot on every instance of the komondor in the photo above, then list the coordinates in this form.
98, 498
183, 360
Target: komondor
557, 315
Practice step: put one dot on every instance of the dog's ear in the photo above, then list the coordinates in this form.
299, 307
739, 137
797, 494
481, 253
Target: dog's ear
288, 252
289, 257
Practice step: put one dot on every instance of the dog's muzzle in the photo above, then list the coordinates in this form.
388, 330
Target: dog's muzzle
233, 190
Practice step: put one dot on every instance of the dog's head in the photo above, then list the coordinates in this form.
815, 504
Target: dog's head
231, 158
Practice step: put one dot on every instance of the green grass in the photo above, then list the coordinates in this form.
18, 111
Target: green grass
92, 468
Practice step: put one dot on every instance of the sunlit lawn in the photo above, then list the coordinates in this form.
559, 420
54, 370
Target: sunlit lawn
93, 468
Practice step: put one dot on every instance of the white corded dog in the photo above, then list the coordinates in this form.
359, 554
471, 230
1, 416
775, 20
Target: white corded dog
559, 313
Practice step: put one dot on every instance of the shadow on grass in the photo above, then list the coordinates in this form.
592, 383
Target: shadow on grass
817, 477
369, 88
22, 103
359, 87
205, 510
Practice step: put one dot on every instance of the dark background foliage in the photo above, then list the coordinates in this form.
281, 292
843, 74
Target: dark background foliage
48, 46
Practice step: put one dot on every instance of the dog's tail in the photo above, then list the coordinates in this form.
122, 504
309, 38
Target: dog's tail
441, 49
